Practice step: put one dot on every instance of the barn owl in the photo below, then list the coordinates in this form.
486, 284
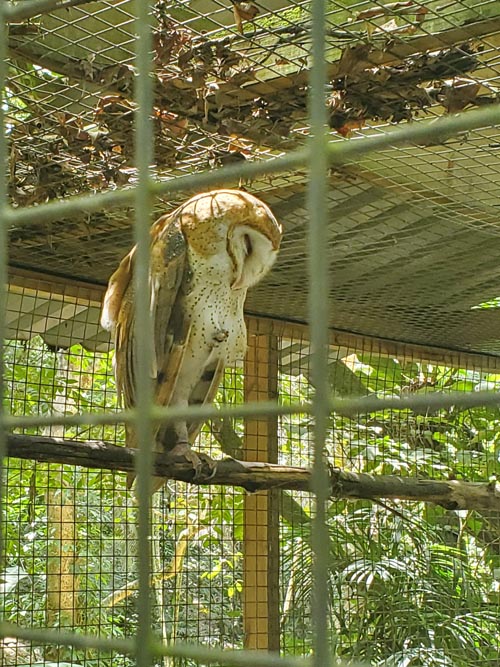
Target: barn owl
203, 258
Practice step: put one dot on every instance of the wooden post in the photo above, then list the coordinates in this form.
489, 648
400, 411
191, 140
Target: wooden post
261, 513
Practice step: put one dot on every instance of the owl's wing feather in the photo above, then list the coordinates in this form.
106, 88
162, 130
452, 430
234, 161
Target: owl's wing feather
203, 393
117, 287
170, 323
117, 317
169, 277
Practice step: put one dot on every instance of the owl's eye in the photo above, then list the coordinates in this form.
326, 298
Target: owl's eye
248, 244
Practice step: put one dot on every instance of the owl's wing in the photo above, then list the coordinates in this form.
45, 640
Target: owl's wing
203, 393
117, 287
170, 322
118, 317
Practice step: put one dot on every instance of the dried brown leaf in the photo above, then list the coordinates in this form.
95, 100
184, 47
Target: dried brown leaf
170, 40
239, 78
389, 26
226, 58
384, 10
353, 59
184, 58
459, 94
420, 14
224, 158
244, 11
173, 123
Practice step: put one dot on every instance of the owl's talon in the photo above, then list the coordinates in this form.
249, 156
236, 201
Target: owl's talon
208, 467
204, 468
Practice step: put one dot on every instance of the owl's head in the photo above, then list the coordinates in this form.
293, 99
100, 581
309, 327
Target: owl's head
252, 252
238, 224
253, 243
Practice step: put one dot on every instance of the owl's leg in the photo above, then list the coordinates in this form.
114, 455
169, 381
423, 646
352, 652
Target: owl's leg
174, 440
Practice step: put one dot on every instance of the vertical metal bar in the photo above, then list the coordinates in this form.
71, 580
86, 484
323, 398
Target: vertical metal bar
3, 249
143, 323
318, 299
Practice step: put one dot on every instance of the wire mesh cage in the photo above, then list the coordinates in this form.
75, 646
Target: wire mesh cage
353, 511
232, 569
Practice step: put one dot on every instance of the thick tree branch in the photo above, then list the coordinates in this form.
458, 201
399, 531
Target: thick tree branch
253, 476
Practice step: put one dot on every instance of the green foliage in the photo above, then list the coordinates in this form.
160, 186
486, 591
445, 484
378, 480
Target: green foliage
412, 586
409, 586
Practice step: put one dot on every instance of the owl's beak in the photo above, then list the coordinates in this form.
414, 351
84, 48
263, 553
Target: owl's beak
237, 283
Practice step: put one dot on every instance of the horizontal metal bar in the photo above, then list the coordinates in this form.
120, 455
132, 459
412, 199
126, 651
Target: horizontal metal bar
124, 197
201, 654
344, 406
357, 406
158, 414
339, 152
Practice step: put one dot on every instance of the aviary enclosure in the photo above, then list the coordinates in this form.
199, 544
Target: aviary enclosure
373, 344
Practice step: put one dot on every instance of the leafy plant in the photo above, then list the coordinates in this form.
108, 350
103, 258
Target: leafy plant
408, 585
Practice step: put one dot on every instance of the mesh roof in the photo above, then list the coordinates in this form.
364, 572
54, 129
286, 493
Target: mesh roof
414, 233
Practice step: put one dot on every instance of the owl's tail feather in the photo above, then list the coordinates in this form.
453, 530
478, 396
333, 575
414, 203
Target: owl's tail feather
157, 483
131, 441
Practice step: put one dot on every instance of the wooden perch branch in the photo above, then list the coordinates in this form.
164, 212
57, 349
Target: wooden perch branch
254, 476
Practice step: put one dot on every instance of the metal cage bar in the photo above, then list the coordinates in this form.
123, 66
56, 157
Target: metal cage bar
318, 305
3, 241
143, 323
